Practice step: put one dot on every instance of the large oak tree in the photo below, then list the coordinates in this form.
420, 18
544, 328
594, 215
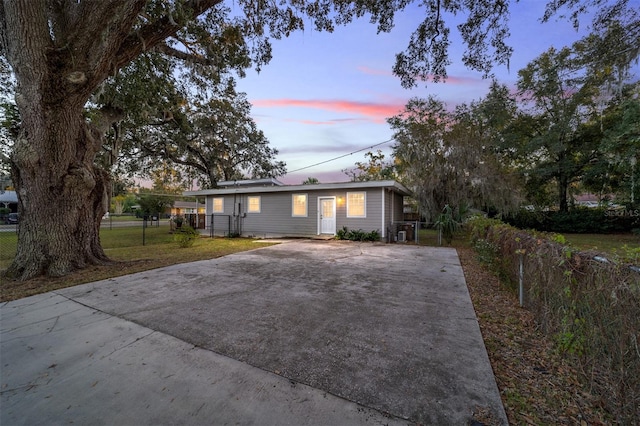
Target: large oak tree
212, 141
61, 51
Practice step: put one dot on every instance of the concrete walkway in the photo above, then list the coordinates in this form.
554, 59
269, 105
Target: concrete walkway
302, 333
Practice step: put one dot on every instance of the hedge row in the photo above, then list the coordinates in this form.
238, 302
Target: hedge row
591, 307
579, 220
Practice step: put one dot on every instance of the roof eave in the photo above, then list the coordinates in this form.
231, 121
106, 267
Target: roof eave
391, 184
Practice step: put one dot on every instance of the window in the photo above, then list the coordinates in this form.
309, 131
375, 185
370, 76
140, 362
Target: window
299, 205
218, 205
356, 206
253, 204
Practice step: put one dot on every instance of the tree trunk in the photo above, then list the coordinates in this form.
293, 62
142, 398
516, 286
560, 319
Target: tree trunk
563, 165
563, 187
61, 194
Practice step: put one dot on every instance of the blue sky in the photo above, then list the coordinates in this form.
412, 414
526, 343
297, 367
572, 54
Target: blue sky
324, 95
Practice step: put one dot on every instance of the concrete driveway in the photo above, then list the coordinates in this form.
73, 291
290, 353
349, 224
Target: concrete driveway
305, 332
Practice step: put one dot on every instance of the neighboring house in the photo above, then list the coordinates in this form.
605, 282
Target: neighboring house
187, 210
267, 208
592, 200
8, 205
181, 208
9, 200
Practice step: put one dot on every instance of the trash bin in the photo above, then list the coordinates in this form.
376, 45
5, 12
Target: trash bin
409, 230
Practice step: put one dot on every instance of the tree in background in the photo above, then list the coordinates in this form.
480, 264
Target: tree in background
454, 159
215, 140
376, 169
153, 204
123, 203
202, 125
166, 179
311, 181
421, 152
564, 94
616, 169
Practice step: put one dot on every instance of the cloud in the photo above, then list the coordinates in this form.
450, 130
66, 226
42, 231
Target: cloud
325, 123
454, 80
373, 71
376, 112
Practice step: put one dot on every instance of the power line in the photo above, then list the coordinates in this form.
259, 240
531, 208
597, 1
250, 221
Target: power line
341, 156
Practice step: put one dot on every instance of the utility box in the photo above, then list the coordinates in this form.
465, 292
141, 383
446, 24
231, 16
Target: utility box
402, 236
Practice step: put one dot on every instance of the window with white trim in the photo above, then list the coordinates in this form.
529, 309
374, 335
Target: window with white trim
253, 204
356, 204
299, 207
218, 205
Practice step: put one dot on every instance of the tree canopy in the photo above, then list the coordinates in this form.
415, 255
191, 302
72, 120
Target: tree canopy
455, 158
572, 125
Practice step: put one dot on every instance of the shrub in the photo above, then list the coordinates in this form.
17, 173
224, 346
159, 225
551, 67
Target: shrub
186, 236
578, 220
357, 235
590, 307
447, 224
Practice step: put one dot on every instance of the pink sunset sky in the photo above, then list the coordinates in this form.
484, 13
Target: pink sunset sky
326, 95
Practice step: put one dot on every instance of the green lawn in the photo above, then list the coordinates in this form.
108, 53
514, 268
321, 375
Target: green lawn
606, 243
8, 241
124, 246
121, 218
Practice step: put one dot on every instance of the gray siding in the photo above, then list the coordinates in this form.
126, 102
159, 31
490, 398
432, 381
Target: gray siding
392, 210
275, 218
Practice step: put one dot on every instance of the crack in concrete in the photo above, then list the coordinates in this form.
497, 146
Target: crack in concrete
128, 344
9, 330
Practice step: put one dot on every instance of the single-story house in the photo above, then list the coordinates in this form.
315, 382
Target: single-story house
267, 208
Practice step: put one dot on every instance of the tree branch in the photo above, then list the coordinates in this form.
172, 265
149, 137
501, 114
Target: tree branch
150, 35
178, 54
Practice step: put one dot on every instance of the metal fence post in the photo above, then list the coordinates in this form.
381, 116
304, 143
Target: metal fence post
521, 278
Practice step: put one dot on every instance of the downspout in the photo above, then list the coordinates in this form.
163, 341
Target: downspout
235, 218
384, 209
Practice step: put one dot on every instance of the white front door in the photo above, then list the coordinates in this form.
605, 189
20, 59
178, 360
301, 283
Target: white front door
327, 216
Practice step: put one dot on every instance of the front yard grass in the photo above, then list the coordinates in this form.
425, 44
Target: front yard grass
124, 247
